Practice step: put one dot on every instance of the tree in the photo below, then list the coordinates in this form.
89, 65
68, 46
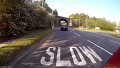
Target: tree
93, 22
75, 18
55, 12
17, 17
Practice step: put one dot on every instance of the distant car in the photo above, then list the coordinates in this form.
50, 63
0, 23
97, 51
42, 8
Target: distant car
64, 28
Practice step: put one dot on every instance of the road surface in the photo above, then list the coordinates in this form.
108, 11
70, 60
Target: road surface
71, 49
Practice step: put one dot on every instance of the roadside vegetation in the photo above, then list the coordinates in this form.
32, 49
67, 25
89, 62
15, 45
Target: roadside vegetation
94, 30
8, 52
19, 17
116, 35
84, 21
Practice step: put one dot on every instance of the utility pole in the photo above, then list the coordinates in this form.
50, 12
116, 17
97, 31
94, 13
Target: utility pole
79, 20
86, 22
42, 4
52, 24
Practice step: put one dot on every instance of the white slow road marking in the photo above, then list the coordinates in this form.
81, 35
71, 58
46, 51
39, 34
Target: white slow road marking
100, 47
80, 63
61, 62
114, 41
89, 52
51, 54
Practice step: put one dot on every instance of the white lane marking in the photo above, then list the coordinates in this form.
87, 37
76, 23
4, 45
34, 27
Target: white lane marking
75, 33
114, 41
100, 47
96, 35
108, 36
76, 62
51, 54
90, 53
93, 34
61, 62
71, 31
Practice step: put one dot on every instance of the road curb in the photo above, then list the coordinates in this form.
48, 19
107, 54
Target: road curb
31, 48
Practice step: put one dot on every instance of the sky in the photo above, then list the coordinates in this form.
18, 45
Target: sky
109, 9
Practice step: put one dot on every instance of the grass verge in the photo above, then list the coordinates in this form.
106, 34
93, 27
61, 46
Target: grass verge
104, 31
94, 30
8, 52
116, 35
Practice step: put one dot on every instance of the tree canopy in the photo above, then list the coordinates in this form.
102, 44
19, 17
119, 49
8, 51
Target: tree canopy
91, 22
18, 17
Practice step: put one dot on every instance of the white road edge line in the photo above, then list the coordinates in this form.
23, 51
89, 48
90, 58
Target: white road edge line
100, 47
96, 45
114, 41
75, 33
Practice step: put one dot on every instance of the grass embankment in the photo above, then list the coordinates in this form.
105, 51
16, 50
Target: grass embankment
8, 52
116, 35
94, 30
104, 31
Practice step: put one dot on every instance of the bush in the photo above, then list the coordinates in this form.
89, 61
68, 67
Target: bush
8, 52
16, 18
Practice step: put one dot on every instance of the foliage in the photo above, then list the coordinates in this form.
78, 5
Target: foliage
8, 52
16, 17
87, 22
115, 35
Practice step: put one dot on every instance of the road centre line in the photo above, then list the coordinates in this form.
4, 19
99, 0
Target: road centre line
75, 33
100, 47
97, 46
108, 36
95, 35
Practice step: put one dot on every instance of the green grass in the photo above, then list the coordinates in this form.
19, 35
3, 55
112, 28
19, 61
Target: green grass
116, 35
94, 30
8, 52
105, 31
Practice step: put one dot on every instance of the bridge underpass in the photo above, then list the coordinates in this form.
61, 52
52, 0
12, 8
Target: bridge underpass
59, 19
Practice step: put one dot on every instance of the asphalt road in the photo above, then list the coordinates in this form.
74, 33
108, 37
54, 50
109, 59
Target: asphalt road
71, 49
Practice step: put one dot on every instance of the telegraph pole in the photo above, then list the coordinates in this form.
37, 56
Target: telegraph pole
79, 20
42, 4
53, 16
86, 22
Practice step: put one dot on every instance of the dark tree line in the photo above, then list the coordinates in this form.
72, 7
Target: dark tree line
17, 17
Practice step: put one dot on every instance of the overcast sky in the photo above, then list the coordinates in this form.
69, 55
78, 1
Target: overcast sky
109, 9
